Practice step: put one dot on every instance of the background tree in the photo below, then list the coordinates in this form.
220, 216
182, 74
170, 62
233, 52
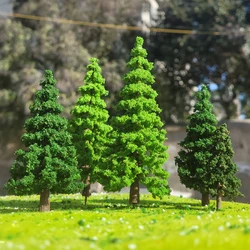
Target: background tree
88, 124
224, 181
28, 47
193, 160
138, 152
49, 164
181, 61
184, 61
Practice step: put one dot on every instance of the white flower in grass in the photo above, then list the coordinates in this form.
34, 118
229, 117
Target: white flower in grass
196, 241
94, 238
141, 227
221, 228
132, 246
46, 242
10, 245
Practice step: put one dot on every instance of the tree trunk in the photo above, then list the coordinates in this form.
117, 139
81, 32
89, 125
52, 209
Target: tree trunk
44, 201
134, 196
219, 197
205, 199
86, 190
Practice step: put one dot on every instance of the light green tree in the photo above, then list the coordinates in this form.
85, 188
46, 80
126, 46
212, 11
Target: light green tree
138, 151
88, 125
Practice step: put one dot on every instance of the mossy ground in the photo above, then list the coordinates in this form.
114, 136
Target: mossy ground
108, 222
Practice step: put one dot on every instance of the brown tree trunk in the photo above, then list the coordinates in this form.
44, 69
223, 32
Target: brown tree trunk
44, 201
134, 195
205, 199
219, 197
86, 191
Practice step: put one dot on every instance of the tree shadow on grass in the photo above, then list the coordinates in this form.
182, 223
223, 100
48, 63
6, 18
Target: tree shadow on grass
15, 205
94, 203
123, 203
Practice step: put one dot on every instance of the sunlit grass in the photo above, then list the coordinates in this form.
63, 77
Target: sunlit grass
109, 222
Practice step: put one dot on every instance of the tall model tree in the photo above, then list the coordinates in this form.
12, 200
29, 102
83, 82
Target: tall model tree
49, 164
138, 152
223, 180
194, 166
89, 123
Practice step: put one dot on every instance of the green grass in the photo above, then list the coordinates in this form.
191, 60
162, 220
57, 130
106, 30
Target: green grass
108, 222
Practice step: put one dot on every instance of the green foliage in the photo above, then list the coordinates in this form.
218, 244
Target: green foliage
28, 47
205, 162
194, 159
88, 125
224, 168
183, 61
50, 159
108, 222
138, 151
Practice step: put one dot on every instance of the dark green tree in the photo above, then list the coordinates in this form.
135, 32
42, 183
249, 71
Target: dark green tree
138, 152
224, 181
88, 125
193, 160
49, 164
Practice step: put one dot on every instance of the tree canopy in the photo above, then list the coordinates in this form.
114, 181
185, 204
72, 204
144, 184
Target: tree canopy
220, 56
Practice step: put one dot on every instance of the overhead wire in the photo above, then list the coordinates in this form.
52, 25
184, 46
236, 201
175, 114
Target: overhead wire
108, 25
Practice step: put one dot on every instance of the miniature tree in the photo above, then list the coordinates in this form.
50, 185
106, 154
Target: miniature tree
88, 125
193, 160
138, 152
49, 163
224, 181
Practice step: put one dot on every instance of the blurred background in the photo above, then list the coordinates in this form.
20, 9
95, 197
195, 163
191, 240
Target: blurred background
190, 42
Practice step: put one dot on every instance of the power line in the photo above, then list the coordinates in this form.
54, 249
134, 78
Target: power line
109, 26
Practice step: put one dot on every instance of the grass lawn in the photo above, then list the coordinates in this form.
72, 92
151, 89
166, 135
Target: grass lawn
108, 222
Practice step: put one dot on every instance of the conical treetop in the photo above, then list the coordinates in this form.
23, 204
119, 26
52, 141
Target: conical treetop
49, 79
139, 66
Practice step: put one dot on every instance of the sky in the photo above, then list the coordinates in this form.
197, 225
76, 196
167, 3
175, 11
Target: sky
5, 5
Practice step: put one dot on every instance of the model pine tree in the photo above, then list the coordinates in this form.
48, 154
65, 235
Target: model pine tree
49, 163
194, 159
88, 125
138, 152
224, 181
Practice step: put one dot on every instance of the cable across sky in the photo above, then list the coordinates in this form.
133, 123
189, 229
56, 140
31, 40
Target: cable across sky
110, 26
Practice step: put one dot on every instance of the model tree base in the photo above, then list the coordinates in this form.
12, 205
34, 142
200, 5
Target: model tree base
205, 200
134, 195
44, 201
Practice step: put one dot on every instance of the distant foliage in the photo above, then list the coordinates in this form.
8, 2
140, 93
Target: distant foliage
138, 152
49, 162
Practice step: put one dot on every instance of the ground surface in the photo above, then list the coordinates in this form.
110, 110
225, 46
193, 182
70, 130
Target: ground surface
108, 222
